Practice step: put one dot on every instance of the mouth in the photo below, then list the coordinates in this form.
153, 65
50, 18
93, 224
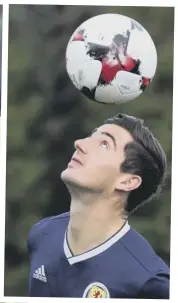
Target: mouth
75, 161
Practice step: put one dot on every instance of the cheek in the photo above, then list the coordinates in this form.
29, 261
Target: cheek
103, 165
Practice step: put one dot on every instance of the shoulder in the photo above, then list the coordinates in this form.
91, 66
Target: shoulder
50, 221
44, 226
157, 287
140, 250
153, 273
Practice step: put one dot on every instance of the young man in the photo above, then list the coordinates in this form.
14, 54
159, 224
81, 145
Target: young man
92, 251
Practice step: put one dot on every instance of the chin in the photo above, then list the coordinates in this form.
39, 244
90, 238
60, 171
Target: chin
69, 177
73, 181
65, 174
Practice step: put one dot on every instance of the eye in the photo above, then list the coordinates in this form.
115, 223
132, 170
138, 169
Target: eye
105, 144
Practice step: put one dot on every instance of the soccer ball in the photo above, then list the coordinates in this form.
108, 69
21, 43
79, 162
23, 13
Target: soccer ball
111, 58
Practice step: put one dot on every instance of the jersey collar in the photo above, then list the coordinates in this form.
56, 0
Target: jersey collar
95, 251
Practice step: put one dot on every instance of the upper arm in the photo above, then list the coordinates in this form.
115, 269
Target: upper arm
156, 287
34, 234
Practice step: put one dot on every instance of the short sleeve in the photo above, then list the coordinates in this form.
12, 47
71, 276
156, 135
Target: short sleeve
156, 287
35, 234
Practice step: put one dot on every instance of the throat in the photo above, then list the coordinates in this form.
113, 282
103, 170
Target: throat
89, 235
92, 222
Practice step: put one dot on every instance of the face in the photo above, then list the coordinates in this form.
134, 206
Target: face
95, 165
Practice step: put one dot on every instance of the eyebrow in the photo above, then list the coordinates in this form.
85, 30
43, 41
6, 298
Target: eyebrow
108, 135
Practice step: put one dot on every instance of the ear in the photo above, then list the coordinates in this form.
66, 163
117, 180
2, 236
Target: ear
128, 182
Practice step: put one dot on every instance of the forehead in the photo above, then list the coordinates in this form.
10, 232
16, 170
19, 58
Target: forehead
121, 135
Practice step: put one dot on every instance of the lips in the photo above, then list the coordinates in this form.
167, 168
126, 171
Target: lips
76, 159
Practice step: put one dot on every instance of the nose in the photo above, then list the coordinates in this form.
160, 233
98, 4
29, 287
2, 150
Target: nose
81, 145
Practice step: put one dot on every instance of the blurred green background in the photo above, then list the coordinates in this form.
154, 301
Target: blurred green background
46, 114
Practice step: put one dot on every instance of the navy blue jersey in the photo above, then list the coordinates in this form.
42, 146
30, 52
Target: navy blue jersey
125, 266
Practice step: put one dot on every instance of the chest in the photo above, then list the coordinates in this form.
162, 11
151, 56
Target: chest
51, 275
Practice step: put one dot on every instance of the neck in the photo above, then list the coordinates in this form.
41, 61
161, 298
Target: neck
93, 220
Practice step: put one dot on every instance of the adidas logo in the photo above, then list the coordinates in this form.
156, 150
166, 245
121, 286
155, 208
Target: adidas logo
40, 274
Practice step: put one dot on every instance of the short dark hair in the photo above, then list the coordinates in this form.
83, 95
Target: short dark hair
145, 157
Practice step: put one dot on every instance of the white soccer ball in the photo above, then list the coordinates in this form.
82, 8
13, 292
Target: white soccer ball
111, 58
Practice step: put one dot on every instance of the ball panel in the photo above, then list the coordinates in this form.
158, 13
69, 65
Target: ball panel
142, 47
90, 74
128, 83
102, 28
124, 87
